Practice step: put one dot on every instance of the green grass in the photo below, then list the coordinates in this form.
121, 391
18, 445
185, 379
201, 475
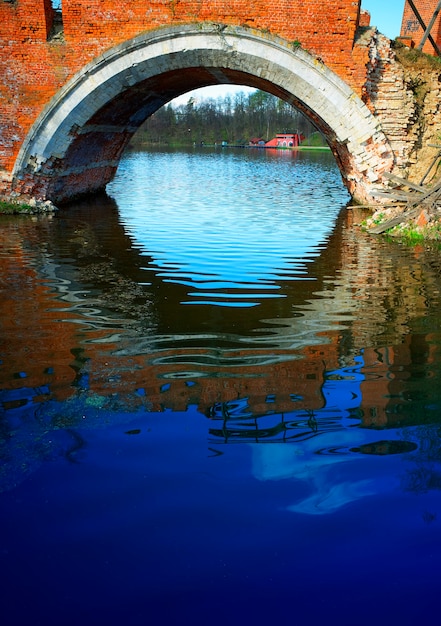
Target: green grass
13, 208
34, 207
379, 219
315, 140
414, 58
413, 236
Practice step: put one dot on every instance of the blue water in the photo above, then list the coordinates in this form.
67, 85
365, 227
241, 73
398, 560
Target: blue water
227, 247
161, 526
220, 403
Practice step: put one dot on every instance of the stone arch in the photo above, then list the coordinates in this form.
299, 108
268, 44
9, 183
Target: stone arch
75, 145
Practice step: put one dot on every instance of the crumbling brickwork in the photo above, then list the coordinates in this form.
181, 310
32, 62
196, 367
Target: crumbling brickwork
406, 97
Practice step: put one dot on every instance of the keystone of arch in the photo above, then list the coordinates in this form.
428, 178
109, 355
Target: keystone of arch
354, 134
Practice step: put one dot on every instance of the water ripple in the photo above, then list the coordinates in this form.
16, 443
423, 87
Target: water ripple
213, 243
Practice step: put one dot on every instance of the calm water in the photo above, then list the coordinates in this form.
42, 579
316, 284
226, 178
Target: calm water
220, 403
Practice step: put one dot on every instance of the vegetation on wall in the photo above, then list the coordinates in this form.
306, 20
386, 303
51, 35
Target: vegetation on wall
414, 58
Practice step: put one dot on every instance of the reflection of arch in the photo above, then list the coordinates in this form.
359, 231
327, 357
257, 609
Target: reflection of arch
75, 145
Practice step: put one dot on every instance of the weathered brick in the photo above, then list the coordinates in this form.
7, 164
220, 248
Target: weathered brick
33, 67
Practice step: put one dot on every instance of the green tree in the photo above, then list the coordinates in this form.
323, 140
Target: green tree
236, 121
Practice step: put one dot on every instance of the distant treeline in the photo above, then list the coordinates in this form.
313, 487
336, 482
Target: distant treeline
235, 120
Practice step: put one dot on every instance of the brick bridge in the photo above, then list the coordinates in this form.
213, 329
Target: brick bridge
75, 86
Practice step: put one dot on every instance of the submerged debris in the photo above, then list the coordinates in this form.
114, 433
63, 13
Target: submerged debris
410, 206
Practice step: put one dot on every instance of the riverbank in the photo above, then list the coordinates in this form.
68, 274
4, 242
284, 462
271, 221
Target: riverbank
288, 149
413, 226
31, 206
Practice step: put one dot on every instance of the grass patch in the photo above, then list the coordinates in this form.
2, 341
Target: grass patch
315, 140
379, 218
410, 236
417, 235
13, 208
415, 59
33, 207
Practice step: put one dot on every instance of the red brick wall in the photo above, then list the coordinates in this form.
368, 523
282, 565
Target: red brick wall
32, 69
365, 18
411, 30
26, 21
303, 20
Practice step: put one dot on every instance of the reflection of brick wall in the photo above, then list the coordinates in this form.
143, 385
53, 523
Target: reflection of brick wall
411, 30
33, 67
35, 348
277, 387
48, 347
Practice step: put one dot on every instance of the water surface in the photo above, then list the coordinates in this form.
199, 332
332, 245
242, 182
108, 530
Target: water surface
220, 402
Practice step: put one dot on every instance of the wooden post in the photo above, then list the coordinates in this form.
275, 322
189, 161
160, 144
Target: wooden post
424, 27
430, 26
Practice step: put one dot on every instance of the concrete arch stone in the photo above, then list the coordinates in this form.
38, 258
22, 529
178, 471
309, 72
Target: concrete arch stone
75, 145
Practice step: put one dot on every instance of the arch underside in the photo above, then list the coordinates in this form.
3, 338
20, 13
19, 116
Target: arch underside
75, 146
